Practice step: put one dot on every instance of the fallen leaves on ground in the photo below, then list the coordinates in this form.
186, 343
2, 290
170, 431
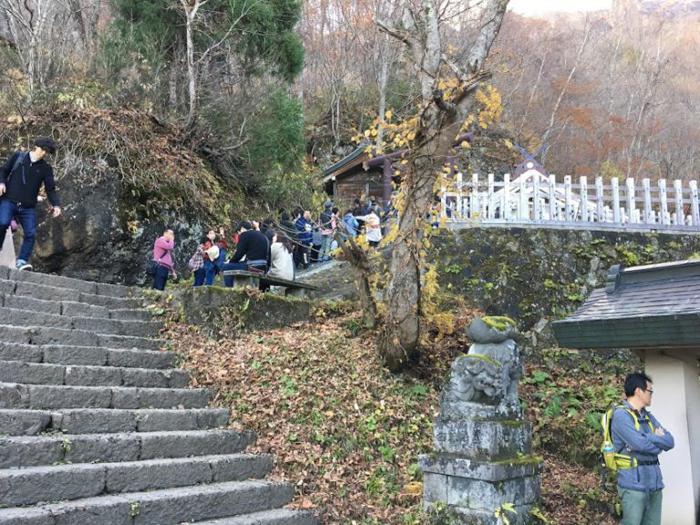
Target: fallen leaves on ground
345, 431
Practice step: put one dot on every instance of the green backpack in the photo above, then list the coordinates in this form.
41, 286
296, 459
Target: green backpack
615, 461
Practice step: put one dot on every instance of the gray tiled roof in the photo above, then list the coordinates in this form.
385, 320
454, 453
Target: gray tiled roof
645, 306
670, 297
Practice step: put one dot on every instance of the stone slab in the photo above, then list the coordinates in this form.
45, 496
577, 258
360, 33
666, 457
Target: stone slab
24, 422
32, 485
453, 465
482, 438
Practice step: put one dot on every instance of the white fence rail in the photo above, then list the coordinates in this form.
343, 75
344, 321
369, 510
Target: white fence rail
534, 198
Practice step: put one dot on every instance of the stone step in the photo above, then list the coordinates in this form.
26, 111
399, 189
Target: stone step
267, 517
91, 287
17, 317
23, 422
28, 486
86, 355
34, 451
23, 396
53, 374
55, 293
73, 309
158, 507
40, 335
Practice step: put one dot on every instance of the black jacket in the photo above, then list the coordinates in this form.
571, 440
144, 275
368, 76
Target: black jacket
254, 246
24, 182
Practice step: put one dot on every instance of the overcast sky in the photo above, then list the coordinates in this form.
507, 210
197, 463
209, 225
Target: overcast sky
537, 7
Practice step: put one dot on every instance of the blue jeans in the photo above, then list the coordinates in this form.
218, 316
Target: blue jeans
27, 218
160, 278
205, 275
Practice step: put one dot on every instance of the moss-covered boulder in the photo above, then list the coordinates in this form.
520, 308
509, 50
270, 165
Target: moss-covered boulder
228, 311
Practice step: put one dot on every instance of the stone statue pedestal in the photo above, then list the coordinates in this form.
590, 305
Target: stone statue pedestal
483, 445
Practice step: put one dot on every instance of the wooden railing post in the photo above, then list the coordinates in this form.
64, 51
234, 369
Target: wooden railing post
553, 205
523, 207
648, 211
583, 198
567, 198
599, 199
474, 197
678, 193
459, 212
694, 204
617, 217
491, 209
663, 201
536, 215
505, 207
631, 201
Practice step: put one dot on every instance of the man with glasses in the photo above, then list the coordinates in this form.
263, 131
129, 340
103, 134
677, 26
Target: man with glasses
637, 434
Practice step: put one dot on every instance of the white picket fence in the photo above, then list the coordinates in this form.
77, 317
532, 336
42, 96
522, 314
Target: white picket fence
534, 198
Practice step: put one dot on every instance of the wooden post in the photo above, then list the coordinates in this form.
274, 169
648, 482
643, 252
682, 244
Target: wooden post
678, 192
553, 205
648, 211
522, 201
600, 199
694, 205
474, 197
663, 200
536, 197
567, 198
505, 207
583, 206
616, 199
459, 211
631, 201
491, 206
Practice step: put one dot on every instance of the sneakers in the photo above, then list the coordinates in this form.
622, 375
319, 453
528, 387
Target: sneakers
23, 265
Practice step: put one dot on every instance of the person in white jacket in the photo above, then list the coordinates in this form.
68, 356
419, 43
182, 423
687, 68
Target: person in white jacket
373, 228
281, 259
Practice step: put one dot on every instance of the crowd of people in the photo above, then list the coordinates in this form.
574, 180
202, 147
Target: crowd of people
277, 248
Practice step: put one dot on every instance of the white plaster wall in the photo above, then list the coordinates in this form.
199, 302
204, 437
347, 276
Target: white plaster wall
692, 385
675, 388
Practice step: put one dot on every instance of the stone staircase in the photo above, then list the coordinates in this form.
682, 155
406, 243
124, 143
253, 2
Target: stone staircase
98, 427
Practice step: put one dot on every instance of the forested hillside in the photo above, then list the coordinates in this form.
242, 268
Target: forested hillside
194, 114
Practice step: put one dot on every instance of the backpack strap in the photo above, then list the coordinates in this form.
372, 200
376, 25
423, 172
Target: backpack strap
19, 161
607, 426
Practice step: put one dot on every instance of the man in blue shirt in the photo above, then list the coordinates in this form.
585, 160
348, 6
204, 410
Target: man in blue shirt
638, 434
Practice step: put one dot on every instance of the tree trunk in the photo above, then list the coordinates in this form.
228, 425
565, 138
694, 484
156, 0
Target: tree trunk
190, 14
361, 268
440, 123
400, 344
